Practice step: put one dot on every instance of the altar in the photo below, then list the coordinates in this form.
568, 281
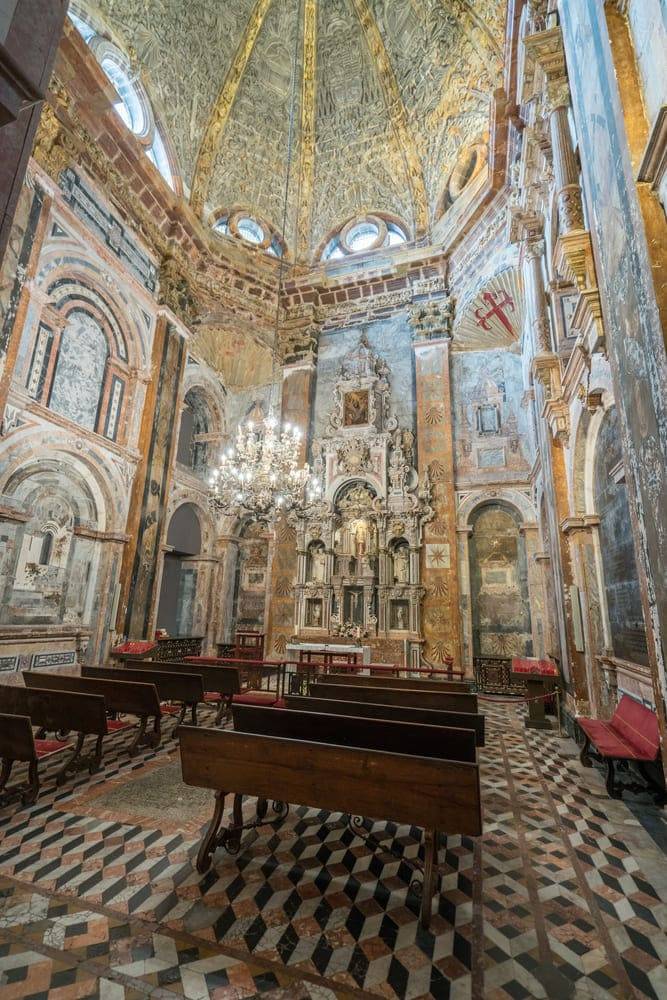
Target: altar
293, 649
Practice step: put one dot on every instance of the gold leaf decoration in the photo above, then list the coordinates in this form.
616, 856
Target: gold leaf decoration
437, 472
434, 415
439, 589
280, 644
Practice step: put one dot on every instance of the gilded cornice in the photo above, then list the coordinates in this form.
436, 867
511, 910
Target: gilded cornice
219, 116
397, 113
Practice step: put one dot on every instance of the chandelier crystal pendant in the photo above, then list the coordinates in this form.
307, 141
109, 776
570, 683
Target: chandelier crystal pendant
260, 475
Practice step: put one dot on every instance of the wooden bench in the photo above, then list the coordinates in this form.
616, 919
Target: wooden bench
414, 683
427, 716
436, 794
121, 697
394, 736
252, 674
631, 734
184, 687
221, 684
61, 712
408, 697
19, 746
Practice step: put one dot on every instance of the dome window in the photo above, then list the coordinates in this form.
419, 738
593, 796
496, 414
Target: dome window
239, 225
365, 233
250, 230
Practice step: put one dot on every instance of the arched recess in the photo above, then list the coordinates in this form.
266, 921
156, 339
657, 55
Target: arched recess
178, 589
251, 577
202, 424
607, 491
499, 590
50, 559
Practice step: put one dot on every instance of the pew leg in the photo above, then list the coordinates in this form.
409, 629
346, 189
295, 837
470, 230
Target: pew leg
181, 716
584, 754
430, 876
223, 708
139, 738
656, 786
157, 732
209, 842
5, 772
96, 760
61, 775
193, 713
613, 791
32, 791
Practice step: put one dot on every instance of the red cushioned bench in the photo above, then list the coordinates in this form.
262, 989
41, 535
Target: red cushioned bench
630, 735
18, 745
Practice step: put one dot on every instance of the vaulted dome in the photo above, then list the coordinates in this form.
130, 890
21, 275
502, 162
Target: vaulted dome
390, 99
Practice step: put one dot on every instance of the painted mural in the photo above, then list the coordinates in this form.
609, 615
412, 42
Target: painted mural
491, 427
635, 339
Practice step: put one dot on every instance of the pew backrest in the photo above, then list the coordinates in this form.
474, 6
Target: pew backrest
119, 695
351, 731
413, 683
168, 686
225, 680
56, 709
16, 739
398, 713
428, 792
409, 697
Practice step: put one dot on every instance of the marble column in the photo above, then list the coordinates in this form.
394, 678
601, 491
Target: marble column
148, 507
566, 172
441, 613
297, 388
580, 533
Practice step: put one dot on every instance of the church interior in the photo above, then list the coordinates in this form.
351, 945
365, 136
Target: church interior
333, 499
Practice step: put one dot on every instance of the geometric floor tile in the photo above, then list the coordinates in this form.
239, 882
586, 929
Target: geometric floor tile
565, 895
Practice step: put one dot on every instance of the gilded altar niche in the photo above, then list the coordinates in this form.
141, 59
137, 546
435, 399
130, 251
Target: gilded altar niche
359, 568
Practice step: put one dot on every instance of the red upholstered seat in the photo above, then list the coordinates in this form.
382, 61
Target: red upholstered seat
631, 733
605, 739
212, 696
169, 709
256, 698
45, 747
133, 648
638, 725
117, 725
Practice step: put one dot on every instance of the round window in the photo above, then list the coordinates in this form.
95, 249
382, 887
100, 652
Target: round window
362, 236
250, 229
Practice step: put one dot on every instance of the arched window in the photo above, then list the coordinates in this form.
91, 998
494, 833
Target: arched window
46, 549
80, 369
192, 448
365, 233
249, 229
133, 105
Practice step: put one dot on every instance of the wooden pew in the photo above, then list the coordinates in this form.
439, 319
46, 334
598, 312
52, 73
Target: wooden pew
438, 795
219, 684
61, 712
183, 686
397, 713
404, 736
415, 683
18, 745
120, 697
409, 697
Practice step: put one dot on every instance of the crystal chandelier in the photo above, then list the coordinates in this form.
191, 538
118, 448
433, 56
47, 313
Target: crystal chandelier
260, 476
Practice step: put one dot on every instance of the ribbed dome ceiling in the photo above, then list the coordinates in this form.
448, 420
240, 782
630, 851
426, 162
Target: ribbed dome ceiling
390, 93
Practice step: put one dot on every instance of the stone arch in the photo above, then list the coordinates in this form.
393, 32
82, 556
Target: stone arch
499, 587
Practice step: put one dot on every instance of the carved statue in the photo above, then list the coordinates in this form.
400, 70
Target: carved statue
318, 561
402, 565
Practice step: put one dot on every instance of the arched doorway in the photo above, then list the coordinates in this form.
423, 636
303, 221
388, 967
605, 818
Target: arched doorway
179, 574
501, 623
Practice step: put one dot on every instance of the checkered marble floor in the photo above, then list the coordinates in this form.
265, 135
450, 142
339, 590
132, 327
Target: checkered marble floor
565, 895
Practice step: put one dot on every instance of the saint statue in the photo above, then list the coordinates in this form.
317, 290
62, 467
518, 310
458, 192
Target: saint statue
402, 565
318, 561
360, 539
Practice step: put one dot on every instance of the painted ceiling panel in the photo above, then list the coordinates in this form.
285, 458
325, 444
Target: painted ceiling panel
394, 92
184, 50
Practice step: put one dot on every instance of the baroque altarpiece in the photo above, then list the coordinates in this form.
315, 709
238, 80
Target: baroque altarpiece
359, 549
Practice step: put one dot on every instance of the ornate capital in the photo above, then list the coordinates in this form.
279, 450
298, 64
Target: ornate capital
432, 320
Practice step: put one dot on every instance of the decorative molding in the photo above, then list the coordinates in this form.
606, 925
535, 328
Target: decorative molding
654, 162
